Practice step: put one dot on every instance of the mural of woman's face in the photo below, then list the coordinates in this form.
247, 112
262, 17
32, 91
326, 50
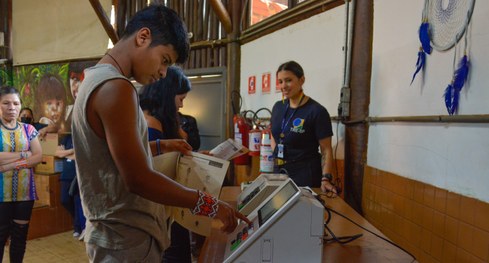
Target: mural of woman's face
74, 84
53, 109
75, 81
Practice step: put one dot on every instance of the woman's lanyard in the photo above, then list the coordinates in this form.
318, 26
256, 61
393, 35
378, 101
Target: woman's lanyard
280, 150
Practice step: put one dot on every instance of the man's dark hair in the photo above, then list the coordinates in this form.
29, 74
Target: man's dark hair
165, 26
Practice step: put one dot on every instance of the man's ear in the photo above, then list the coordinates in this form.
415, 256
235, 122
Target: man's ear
143, 37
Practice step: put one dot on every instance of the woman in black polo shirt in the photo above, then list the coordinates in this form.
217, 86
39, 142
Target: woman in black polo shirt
300, 126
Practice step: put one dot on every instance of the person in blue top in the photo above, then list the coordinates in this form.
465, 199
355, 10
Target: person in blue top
187, 122
300, 126
158, 102
70, 195
27, 116
20, 150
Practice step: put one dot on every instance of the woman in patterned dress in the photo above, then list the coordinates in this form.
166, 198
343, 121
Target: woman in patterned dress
20, 150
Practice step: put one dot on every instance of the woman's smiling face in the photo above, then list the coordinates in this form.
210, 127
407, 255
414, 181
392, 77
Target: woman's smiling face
289, 84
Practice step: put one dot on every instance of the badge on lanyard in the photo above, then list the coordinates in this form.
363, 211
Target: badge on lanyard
280, 151
281, 146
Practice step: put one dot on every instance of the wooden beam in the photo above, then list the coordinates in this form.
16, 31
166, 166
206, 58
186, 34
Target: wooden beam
222, 14
104, 20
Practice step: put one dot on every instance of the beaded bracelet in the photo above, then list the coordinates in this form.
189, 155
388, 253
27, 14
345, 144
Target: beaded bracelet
206, 205
23, 155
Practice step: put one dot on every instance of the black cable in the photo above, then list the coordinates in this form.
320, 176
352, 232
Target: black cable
256, 118
329, 210
233, 106
342, 239
249, 120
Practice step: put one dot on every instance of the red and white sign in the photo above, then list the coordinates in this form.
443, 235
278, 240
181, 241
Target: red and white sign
252, 85
265, 83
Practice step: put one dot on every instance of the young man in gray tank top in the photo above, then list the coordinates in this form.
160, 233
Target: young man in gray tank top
122, 195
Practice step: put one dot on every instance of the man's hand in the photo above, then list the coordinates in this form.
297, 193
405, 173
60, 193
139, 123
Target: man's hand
176, 145
328, 187
228, 216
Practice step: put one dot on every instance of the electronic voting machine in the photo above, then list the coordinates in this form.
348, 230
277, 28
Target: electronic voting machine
287, 223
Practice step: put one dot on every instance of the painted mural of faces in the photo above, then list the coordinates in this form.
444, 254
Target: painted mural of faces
53, 109
50, 100
75, 81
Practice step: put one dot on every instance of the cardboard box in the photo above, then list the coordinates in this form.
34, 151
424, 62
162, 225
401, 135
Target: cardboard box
49, 143
42, 187
49, 165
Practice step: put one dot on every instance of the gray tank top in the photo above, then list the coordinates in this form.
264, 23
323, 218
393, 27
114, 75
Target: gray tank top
116, 218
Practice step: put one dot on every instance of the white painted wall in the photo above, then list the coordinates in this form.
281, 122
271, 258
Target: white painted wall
316, 44
450, 156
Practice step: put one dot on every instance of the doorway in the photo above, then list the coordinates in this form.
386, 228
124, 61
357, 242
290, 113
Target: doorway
206, 103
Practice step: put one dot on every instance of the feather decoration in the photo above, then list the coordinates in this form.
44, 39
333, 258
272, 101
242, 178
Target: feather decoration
424, 37
449, 94
419, 63
461, 74
455, 99
452, 92
425, 48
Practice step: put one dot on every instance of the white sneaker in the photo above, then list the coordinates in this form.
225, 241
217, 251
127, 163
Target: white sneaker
76, 234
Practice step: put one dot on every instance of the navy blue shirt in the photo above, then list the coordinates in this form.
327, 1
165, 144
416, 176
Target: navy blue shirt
39, 125
303, 128
154, 134
69, 167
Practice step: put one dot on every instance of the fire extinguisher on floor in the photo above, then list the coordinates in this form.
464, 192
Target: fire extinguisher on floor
241, 127
265, 134
254, 141
241, 130
266, 152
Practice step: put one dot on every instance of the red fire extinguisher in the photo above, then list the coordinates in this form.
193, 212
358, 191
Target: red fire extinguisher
255, 139
241, 130
266, 151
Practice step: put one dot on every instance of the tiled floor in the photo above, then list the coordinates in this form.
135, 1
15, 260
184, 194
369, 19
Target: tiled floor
59, 248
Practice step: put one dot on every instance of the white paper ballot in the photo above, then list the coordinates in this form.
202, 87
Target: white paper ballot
198, 171
167, 164
205, 173
229, 149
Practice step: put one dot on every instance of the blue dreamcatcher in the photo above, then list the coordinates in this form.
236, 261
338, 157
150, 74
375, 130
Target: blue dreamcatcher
444, 23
